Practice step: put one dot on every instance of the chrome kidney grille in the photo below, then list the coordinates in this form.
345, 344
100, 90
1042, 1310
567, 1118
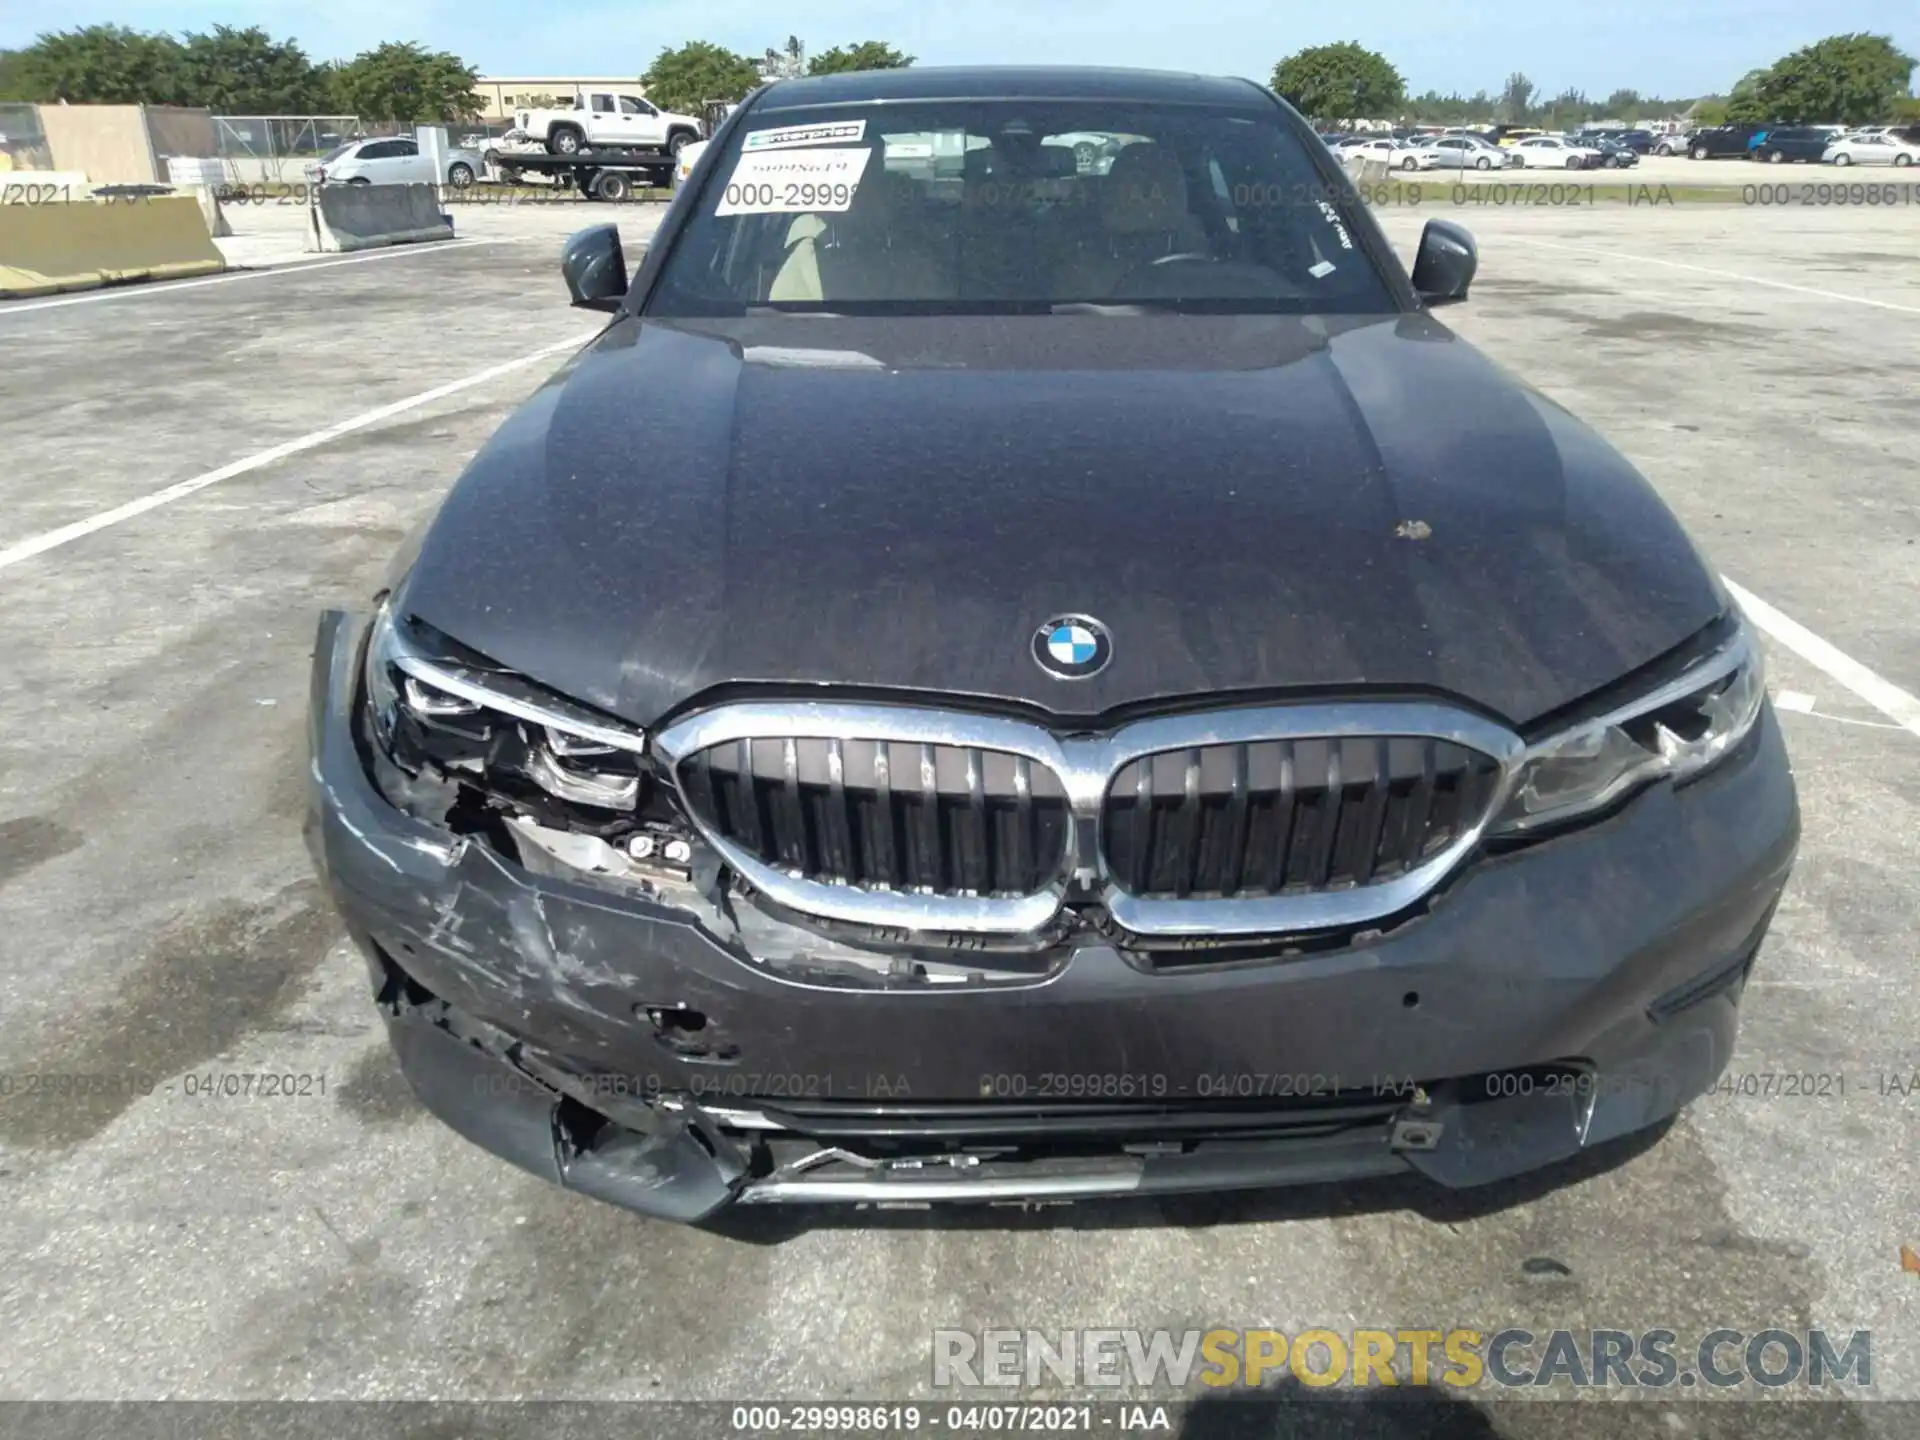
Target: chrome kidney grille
1271, 820
1276, 817
946, 820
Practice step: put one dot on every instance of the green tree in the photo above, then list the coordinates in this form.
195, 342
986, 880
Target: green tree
1625, 105
13, 82
1345, 81
685, 79
103, 65
406, 82
1847, 79
1743, 101
1709, 110
1435, 108
1567, 109
245, 72
1516, 99
866, 55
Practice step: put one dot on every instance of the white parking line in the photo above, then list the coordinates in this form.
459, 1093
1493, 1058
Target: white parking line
1886, 697
153, 288
67, 534
1725, 275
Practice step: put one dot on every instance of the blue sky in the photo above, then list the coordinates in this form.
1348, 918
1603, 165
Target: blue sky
1667, 47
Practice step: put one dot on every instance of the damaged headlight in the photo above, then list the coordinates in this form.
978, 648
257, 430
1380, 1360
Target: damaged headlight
1682, 728
432, 707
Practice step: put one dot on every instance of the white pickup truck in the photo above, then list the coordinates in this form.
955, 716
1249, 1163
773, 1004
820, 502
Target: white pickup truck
606, 120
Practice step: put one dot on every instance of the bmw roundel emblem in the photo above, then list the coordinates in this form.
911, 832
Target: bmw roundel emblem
1072, 647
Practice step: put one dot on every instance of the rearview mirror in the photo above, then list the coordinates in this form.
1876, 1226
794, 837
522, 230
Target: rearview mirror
1444, 268
595, 267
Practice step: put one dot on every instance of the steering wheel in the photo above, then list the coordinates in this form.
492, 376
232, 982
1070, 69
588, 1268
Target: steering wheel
1150, 271
1226, 279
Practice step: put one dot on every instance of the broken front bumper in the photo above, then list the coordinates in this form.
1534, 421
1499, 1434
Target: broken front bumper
635, 1048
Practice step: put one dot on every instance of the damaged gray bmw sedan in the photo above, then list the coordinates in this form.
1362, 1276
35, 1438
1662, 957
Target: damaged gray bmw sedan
995, 678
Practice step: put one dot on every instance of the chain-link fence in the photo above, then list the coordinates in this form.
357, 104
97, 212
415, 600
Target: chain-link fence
278, 148
23, 145
283, 136
478, 134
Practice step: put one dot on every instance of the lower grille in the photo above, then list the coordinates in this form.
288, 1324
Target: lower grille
1280, 817
946, 820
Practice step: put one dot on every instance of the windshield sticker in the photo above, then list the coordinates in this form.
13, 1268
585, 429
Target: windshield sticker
1333, 218
786, 182
1321, 270
789, 137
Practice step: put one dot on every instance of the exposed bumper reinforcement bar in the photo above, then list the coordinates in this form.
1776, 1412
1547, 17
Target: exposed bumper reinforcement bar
1234, 1165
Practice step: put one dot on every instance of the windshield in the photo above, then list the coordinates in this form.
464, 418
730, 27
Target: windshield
998, 206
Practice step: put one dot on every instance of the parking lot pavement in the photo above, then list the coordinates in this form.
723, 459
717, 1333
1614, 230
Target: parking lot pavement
162, 926
1756, 362
270, 223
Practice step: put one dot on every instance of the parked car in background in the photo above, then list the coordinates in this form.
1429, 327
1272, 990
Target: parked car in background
1556, 152
1860, 148
1514, 134
1675, 144
393, 160
1092, 154
1395, 154
1717, 142
1613, 154
1458, 152
1800, 144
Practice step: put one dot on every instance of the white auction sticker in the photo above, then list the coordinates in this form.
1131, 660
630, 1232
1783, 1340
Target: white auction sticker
784, 182
789, 137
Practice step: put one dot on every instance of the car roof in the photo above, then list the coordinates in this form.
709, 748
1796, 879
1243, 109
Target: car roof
1012, 82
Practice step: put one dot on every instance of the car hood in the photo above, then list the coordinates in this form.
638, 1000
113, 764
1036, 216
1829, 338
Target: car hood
1255, 505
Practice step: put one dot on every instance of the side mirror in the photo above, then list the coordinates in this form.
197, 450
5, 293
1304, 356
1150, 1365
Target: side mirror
1444, 268
595, 267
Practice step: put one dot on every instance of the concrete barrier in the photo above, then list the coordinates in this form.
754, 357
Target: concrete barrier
84, 244
361, 217
1365, 172
209, 202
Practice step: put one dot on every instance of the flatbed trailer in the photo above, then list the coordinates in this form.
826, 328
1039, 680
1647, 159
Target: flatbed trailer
596, 174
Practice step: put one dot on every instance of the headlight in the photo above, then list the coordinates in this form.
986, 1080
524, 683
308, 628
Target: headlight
431, 707
1684, 727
